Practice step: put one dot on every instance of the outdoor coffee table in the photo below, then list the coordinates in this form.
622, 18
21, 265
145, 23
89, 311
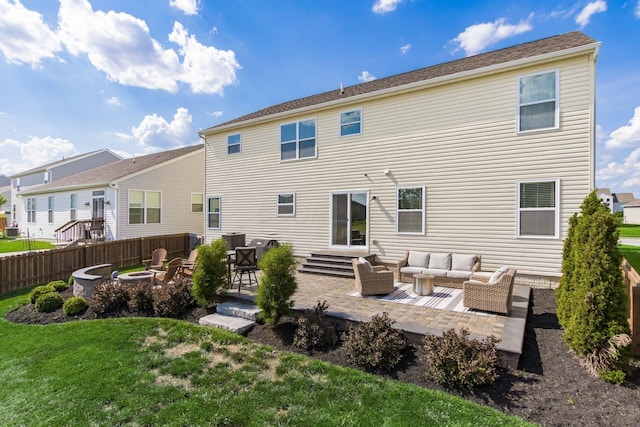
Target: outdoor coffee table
423, 284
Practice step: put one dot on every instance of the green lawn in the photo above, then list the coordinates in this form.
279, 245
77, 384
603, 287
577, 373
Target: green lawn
629, 230
631, 254
149, 371
12, 245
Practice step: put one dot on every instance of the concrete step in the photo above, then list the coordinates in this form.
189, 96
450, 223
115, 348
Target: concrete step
238, 309
327, 272
233, 324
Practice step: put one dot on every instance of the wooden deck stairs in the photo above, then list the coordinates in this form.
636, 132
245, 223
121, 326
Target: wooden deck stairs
333, 263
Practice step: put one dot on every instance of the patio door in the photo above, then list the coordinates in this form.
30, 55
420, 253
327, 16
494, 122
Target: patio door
349, 219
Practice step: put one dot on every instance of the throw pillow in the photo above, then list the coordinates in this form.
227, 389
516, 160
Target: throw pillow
498, 273
440, 261
366, 263
462, 262
418, 259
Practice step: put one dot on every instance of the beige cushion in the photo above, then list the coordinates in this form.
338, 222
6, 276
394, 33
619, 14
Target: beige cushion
440, 261
498, 273
418, 259
462, 262
365, 263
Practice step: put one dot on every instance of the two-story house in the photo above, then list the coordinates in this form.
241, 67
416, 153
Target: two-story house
489, 155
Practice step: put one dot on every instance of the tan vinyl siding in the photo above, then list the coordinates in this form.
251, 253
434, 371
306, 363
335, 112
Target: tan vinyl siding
459, 140
175, 180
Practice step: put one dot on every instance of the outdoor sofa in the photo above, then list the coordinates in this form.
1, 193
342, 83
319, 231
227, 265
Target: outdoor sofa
449, 269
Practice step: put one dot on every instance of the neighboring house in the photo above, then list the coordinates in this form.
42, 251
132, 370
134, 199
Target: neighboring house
605, 195
632, 212
620, 200
5, 191
489, 154
22, 210
148, 195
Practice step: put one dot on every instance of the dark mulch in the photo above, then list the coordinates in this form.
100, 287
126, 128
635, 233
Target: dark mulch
549, 387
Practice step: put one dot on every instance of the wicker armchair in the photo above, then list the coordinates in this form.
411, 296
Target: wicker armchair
490, 296
376, 282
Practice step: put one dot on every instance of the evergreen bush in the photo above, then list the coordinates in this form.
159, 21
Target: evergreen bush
313, 330
591, 298
59, 285
277, 283
39, 290
375, 344
455, 360
48, 302
74, 306
210, 277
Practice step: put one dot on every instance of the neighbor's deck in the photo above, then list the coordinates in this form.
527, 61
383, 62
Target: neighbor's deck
416, 321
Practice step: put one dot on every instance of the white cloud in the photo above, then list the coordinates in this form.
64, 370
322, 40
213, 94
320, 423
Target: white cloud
626, 136
155, 133
383, 6
188, 7
405, 48
590, 9
38, 151
24, 37
627, 172
115, 101
121, 46
638, 9
365, 76
476, 38
216, 114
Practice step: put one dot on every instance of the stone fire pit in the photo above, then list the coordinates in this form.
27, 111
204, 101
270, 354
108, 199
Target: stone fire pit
136, 277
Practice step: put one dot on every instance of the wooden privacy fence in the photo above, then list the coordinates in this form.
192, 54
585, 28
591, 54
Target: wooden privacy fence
35, 268
632, 286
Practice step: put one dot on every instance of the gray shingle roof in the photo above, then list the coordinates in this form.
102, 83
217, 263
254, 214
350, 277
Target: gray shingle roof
623, 197
103, 175
521, 51
44, 167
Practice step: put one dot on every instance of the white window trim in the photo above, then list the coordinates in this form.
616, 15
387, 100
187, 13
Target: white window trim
423, 210
219, 213
50, 209
73, 210
201, 194
239, 144
557, 100
34, 210
278, 204
297, 140
556, 209
340, 122
145, 206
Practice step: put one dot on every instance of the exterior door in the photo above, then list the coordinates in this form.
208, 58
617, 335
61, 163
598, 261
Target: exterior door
98, 205
349, 219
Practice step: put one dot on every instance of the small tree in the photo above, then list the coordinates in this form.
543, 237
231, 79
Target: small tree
591, 297
3, 200
210, 276
277, 284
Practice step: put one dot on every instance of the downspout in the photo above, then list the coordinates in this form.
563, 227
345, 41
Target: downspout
205, 204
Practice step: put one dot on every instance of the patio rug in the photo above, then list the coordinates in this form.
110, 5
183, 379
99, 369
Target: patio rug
442, 298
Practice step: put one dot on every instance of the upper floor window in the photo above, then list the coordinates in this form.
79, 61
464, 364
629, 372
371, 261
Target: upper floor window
197, 202
351, 122
538, 101
213, 212
286, 204
538, 212
410, 210
298, 140
31, 209
233, 143
144, 207
50, 211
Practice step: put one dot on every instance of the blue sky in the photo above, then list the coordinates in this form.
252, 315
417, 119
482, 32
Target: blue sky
143, 76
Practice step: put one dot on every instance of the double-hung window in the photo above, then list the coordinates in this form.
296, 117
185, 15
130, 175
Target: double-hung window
31, 209
145, 207
72, 206
538, 101
197, 202
351, 122
298, 140
213, 212
233, 143
410, 210
538, 213
286, 204
50, 211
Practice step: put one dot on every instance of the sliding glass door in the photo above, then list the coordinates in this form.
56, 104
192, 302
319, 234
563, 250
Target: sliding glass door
349, 225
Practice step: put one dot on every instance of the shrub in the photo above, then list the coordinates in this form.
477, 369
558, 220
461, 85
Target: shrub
59, 285
210, 276
73, 306
108, 296
277, 283
39, 290
375, 344
458, 361
48, 302
591, 297
172, 300
70, 281
313, 330
140, 297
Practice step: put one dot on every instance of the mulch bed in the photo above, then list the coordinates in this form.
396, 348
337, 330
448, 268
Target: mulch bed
549, 387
